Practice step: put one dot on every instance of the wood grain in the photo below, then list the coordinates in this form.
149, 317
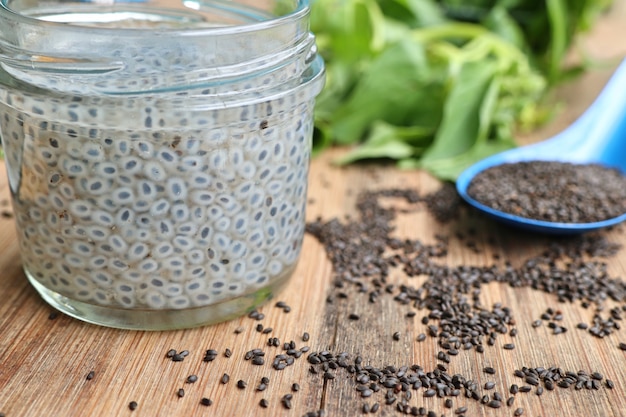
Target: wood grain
44, 362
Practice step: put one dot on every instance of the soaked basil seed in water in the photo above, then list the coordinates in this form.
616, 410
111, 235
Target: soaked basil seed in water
170, 191
552, 191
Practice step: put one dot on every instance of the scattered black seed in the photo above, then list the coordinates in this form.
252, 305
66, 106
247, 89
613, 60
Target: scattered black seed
510, 401
366, 408
421, 337
490, 385
494, 404
170, 353
509, 346
448, 403
225, 379
453, 315
90, 375
180, 393
552, 191
353, 316
489, 370
537, 323
254, 314
622, 346
530, 379
206, 401
295, 387
442, 356
228, 353
460, 410
582, 326
192, 378
305, 337
210, 355
514, 389
609, 384
133, 405
444, 203
238, 330
366, 393
241, 384
396, 336
264, 403
539, 390
53, 315
286, 401
518, 412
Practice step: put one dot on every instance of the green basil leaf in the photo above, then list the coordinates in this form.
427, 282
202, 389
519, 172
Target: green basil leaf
394, 88
460, 126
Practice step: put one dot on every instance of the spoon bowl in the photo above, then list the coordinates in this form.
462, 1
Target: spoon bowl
598, 136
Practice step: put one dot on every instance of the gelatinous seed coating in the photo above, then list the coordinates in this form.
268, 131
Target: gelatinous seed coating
552, 191
127, 203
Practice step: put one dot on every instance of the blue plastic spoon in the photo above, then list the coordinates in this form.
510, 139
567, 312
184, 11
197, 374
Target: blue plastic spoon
597, 136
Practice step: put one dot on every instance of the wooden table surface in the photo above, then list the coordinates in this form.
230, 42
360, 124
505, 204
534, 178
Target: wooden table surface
44, 360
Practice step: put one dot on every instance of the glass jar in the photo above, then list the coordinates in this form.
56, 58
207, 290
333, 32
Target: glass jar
157, 153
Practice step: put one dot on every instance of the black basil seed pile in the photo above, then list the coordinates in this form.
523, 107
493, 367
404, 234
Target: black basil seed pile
554, 376
552, 191
363, 250
358, 251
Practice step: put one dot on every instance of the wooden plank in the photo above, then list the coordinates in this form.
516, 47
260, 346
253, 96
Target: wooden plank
44, 363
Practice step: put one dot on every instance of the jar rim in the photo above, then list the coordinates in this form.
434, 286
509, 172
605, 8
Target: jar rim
300, 10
